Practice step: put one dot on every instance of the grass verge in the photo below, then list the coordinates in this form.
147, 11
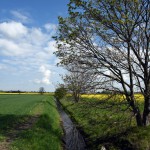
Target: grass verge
44, 134
107, 124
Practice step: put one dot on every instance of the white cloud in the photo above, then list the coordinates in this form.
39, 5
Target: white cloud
17, 39
46, 73
21, 16
37, 37
27, 52
13, 29
2, 66
50, 48
50, 27
7, 47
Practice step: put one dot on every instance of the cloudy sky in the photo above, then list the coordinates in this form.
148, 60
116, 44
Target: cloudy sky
26, 45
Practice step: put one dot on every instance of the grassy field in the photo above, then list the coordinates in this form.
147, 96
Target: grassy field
37, 114
107, 123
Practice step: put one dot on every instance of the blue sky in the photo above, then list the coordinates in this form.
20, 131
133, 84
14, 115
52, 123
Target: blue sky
26, 47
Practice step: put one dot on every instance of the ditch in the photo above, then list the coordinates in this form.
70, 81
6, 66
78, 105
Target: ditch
72, 137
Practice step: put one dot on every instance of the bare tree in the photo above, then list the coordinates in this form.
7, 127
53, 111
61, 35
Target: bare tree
79, 79
78, 83
112, 39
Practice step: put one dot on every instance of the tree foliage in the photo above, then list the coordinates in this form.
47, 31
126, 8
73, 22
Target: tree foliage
112, 39
60, 92
41, 90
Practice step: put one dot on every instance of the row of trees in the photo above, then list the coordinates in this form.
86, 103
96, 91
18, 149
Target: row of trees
108, 41
41, 91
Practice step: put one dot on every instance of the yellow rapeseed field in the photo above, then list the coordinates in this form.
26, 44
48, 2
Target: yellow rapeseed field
138, 97
98, 96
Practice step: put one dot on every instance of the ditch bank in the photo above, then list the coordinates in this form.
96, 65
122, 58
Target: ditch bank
117, 141
72, 137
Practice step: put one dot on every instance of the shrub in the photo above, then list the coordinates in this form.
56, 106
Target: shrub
60, 92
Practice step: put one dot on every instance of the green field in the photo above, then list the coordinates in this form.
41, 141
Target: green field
37, 114
32, 122
107, 124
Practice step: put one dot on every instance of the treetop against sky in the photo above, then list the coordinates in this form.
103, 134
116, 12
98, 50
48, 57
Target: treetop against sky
26, 45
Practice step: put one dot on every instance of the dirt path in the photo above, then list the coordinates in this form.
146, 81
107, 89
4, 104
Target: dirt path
4, 145
14, 133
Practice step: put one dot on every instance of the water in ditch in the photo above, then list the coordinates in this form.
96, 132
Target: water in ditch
73, 139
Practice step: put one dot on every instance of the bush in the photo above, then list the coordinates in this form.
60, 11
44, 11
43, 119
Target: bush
60, 93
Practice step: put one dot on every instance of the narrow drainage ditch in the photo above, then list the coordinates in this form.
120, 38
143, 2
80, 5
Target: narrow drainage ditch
73, 139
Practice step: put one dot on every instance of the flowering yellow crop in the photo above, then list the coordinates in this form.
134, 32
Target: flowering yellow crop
96, 96
138, 97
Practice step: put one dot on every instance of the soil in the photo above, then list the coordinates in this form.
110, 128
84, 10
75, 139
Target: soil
4, 145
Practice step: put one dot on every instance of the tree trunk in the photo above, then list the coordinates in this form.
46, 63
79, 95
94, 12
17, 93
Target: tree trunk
136, 111
76, 96
146, 113
138, 118
146, 118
